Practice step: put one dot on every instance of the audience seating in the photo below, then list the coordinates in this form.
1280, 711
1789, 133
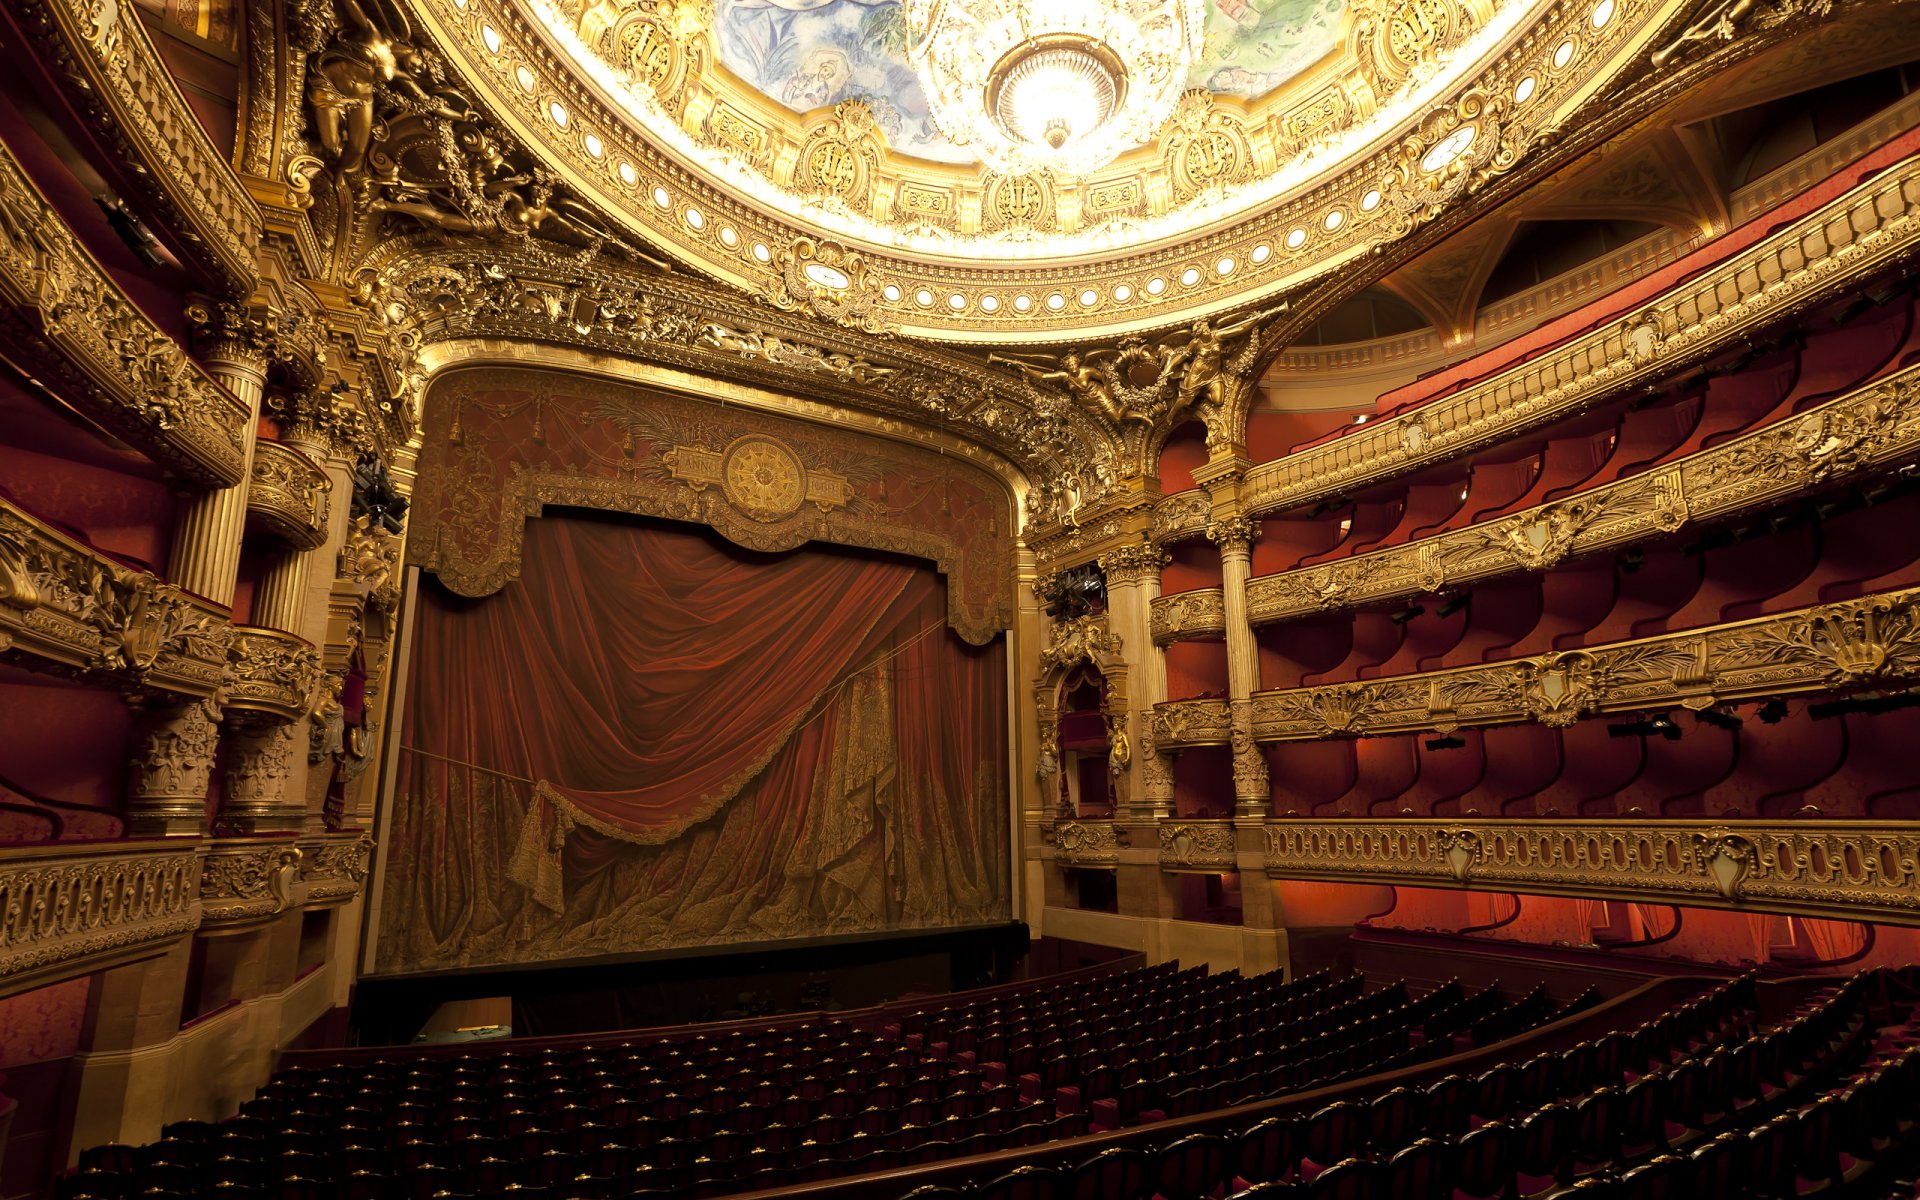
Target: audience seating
1685, 1103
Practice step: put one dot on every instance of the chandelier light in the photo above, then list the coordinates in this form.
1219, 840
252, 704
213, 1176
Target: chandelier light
1061, 84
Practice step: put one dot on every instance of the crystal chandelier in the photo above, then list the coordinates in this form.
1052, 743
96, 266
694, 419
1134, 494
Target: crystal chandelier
1062, 84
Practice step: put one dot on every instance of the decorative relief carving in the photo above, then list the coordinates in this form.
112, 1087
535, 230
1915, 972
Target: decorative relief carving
659, 453
247, 881
68, 608
829, 281
1196, 614
89, 343
1876, 426
1857, 870
1199, 845
1083, 639
1192, 723
119, 85
61, 903
1083, 843
774, 349
1826, 648
1234, 535
1809, 261
334, 868
1250, 786
289, 494
1132, 564
274, 674
1182, 515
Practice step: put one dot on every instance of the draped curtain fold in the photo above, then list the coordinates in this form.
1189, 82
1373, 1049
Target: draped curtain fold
664, 739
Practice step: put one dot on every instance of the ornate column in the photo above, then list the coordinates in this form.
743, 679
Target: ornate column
207, 532
167, 787
1234, 536
172, 767
1143, 786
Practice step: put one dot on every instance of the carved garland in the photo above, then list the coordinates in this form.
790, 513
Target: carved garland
1853, 870
1832, 647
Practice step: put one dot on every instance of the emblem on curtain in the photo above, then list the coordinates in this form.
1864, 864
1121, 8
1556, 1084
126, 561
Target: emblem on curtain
760, 476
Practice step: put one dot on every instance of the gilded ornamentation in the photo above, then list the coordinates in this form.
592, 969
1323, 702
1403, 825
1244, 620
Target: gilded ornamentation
120, 86
1156, 769
1084, 639
1234, 535
90, 344
1128, 565
1725, 19
774, 349
1821, 649
289, 494
273, 674
334, 868
1192, 723
1181, 515
259, 766
65, 902
369, 560
1196, 614
71, 609
764, 479
1199, 845
1085, 842
246, 881
1873, 427
829, 281
1250, 786
1853, 870
1801, 265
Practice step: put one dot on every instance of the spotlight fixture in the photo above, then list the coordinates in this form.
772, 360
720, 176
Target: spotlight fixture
1718, 718
1446, 743
128, 227
1455, 603
1772, 712
1863, 704
1406, 614
1631, 560
1660, 725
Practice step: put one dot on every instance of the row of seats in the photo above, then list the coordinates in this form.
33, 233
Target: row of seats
1697, 1103
703, 1116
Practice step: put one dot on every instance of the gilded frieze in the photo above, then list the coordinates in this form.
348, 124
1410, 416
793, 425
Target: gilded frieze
1874, 427
106, 903
273, 674
1864, 870
1198, 846
117, 81
288, 495
502, 444
245, 880
86, 340
1196, 614
1827, 648
1821, 255
1322, 172
67, 608
334, 868
1086, 843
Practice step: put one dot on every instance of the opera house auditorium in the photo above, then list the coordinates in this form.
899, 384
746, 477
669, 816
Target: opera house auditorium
959, 599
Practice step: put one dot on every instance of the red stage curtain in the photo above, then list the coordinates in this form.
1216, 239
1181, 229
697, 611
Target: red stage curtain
663, 739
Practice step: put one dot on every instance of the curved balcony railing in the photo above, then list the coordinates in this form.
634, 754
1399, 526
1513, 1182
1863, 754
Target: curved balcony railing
288, 495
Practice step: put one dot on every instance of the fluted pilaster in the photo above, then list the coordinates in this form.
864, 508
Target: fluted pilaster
208, 530
1234, 536
1143, 791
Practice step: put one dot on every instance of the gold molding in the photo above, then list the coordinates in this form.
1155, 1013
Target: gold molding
1201, 613
65, 908
247, 880
273, 674
288, 494
117, 81
1188, 844
92, 346
334, 867
516, 71
1825, 648
1852, 870
67, 608
1877, 425
1086, 843
1867, 229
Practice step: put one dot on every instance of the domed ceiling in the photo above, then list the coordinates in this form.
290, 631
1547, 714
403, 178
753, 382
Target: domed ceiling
806, 55
787, 147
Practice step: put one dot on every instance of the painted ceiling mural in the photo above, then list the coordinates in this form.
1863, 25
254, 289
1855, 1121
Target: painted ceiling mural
810, 54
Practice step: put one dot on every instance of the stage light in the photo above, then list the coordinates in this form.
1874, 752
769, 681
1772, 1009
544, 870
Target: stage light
1772, 712
1406, 614
1718, 718
1446, 743
1454, 604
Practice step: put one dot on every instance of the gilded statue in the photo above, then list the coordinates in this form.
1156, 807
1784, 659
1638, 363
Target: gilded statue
1077, 372
1204, 355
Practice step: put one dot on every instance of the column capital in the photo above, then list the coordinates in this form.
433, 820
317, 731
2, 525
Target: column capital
172, 767
322, 419
247, 338
1234, 535
1132, 564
